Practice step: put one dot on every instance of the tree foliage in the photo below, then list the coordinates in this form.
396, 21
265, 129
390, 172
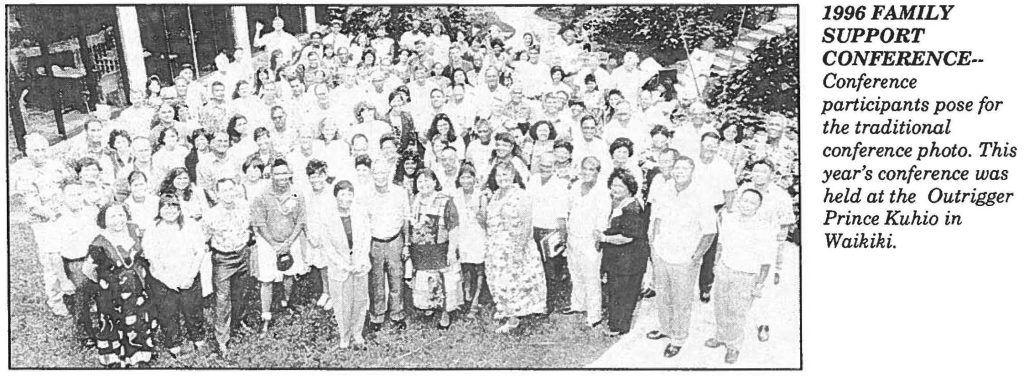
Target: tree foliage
770, 82
665, 29
398, 19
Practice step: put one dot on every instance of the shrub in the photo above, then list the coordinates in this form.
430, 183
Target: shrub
770, 82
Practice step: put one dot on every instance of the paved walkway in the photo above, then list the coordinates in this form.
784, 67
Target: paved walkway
781, 307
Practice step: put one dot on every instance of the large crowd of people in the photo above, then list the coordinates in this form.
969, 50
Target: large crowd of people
455, 166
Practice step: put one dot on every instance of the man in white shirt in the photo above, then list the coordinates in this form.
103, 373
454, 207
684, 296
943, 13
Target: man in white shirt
282, 134
277, 39
623, 126
718, 178
589, 205
746, 254
777, 210
683, 227
409, 38
590, 145
550, 198
382, 44
388, 248
628, 78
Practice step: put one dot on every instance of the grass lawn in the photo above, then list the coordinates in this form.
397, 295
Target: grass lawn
306, 336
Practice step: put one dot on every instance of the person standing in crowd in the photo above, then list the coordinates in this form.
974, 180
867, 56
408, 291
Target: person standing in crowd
77, 222
93, 146
684, 225
349, 265
515, 272
434, 229
279, 217
321, 225
719, 179
174, 247
213, 116
472, 239
390, 244
777, 210
746, 253
590, 144
124, 307
37, 180
589, 205
277, 40
228, 227
89, 172
625, 251
549, 197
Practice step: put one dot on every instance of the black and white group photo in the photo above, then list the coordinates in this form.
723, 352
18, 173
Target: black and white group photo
264, 186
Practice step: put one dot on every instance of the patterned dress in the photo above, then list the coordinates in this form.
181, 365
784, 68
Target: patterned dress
127, 322
514, 270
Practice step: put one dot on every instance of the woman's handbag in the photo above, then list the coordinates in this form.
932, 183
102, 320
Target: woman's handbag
428, 290
285, 261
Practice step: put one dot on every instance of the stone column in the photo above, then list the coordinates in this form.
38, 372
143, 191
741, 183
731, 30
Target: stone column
240, 24
310, 18
131, 42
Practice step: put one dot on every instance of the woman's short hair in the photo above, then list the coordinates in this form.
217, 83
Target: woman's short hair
466, 168
563, 144
136, 175
170, 199
552, 134
260, 132
114, 134
360, 107
621, 142
662, 130
344, 185
84, 162
425, 171
251, 162
626, 178
101, 216
316, 166
364, 160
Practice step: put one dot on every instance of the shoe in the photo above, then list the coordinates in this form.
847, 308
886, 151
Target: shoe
265, 327
595, 324
672, 350
399, 325
329, 304
88, 343
445, 321
713, 343
508, 326
322, 302
705, 297
284, 304
762, 333
344, 345
647, 294
358, 343
612, 333
731, 355
428, 313
569, 311
376, 326
777, 278
222, 349
656, 335
175, 352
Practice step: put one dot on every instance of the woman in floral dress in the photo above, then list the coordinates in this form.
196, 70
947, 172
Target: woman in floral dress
125, 313
513, 267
